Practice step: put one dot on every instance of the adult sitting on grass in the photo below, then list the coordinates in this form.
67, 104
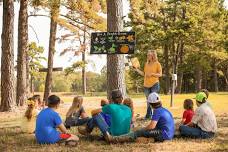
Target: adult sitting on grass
47, 122
120, 118
160, 128
203, 124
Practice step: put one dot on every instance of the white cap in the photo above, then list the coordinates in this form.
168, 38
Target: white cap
153, 98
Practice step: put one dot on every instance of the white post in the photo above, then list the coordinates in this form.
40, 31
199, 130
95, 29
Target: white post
174, 80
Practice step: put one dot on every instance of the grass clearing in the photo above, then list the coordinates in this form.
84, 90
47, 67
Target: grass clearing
12, 139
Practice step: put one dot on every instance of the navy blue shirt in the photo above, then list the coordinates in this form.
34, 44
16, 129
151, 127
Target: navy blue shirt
46, 124
165, 122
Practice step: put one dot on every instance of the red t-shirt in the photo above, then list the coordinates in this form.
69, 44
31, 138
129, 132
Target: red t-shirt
187, 115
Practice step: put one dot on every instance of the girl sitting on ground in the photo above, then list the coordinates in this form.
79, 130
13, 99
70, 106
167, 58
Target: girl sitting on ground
128, 102
76, 115
188, 113
29, 119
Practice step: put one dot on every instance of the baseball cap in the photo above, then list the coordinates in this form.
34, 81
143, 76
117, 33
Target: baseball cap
153, 98
116, 94
200, 96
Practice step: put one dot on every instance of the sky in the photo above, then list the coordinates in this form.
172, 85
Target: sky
42, 26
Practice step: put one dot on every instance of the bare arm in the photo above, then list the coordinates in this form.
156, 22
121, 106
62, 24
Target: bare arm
62, 128
139, 71
95, 112
151, 126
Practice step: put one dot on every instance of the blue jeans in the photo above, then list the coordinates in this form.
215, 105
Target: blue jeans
147, 91
187, 131
98, 121
154, 133
78, 122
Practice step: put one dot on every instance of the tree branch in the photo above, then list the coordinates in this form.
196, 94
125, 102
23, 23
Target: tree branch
76, 21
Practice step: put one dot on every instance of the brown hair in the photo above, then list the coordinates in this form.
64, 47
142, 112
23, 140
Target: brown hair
76, 105
188, 104
128, 102
156, 105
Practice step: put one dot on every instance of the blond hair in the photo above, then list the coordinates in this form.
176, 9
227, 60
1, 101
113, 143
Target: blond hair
154, 54
128, 102
76, 105
30, 108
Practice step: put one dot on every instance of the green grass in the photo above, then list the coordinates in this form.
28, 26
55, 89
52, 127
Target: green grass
12, 139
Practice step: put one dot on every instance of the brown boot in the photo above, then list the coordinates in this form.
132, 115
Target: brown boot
108, 137
84, 130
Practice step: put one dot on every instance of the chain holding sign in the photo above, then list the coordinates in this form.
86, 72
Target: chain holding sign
112, 43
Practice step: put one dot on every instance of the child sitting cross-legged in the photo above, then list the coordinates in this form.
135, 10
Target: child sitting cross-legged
76, 115
47, 122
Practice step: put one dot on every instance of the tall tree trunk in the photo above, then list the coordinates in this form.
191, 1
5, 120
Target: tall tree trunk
205, 76
166, 67
198, 78
115, 63
7, 59
52, 38
215, 77
180, 71
22, 49
27, 76
226, 78
83, 68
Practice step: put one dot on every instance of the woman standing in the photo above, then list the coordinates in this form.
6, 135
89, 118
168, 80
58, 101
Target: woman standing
152, 72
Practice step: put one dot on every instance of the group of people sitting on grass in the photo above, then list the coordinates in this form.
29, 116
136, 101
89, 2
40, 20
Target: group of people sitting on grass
115, 119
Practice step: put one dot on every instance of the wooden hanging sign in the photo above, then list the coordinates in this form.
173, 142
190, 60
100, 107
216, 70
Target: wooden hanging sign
112, 43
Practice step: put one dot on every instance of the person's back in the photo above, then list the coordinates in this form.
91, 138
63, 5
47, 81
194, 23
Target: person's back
165, 122
120, 118
205, 118
46, 124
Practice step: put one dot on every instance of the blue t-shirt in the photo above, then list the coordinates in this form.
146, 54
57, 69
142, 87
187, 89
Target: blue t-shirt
165, 122
120, 118
46, 124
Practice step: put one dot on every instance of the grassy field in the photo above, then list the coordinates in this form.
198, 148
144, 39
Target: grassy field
12, 139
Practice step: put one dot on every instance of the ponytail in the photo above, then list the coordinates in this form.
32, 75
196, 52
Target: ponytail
30, 108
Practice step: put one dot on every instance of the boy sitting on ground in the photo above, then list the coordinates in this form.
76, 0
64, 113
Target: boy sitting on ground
47, 122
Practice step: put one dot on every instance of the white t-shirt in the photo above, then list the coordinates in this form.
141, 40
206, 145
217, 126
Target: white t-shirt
204, 117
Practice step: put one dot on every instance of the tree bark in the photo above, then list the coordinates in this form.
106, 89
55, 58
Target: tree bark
205, 77
198, 78
215, 77
27, 75
7, 59
166, 68
83, 68
52, 38
115, 63
21, 56
180, 71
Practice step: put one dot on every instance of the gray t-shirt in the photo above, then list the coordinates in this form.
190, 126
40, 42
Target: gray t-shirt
73, 118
